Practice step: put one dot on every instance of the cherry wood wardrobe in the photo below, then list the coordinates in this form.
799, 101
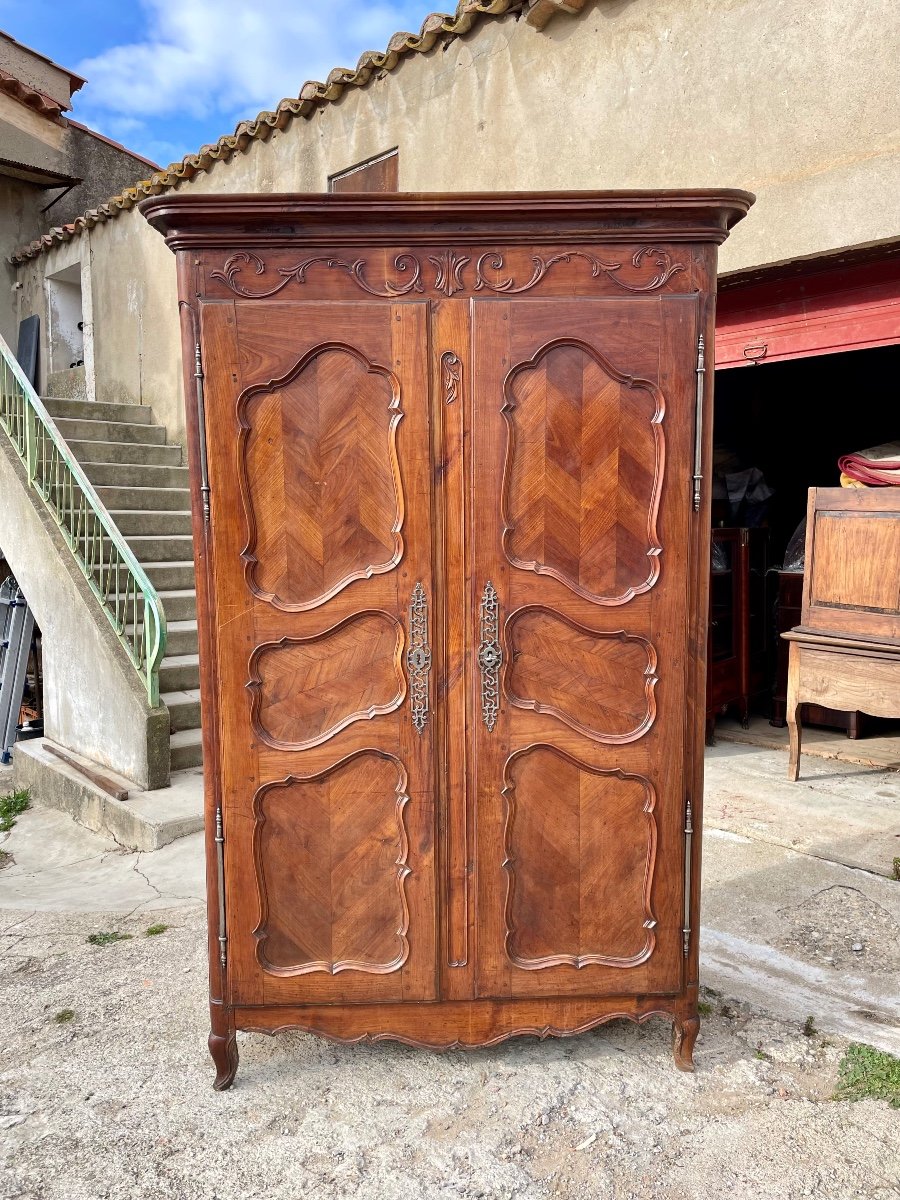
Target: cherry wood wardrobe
450, 463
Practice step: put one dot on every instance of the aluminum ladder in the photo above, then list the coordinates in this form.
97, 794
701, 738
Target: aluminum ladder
16, 629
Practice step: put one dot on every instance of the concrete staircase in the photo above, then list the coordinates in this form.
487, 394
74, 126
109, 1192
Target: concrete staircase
141, 481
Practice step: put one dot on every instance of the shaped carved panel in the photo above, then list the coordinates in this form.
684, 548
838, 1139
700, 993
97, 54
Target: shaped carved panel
601, 684
306, 690
583, 472
580, 853
331, 861
320, 477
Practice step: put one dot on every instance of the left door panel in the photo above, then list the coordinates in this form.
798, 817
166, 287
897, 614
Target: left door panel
318, 445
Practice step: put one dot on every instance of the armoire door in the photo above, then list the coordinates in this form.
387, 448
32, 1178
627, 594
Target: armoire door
583, 431
319, 470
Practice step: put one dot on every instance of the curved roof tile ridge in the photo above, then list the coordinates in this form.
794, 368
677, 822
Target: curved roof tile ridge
313, 95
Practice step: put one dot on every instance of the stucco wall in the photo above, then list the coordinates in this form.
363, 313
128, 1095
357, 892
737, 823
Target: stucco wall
135, 320
27, 209
18, 213
103, 168
795, 101
36, 70
94, 702
32, 296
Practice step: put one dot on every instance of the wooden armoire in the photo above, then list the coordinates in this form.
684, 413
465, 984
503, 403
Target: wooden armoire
451, 523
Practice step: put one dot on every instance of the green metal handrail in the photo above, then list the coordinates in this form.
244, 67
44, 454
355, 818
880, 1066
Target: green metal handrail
114, 575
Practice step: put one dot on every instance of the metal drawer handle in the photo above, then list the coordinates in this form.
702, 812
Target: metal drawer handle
490, 656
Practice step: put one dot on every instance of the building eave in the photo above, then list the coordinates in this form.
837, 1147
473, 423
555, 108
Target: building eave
37, 101
313, 95
76, 81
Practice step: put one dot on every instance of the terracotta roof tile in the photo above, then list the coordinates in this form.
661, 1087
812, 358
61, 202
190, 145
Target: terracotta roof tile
313, 95
77, 81
31, 97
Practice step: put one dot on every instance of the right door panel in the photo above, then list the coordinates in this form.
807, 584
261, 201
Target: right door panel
582, 441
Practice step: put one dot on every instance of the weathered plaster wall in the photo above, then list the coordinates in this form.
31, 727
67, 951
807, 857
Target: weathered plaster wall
795, 101
35, 70
135, 321
19, 204
94, 702
104, 169
30, 137
26, 209
32, 297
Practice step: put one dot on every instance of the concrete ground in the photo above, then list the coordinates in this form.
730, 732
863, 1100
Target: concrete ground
881, 751
800, 920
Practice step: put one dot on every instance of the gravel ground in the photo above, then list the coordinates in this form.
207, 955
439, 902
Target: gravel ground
117, 1102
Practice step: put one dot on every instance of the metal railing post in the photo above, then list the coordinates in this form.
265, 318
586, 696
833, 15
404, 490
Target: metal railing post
98, 547
30, 443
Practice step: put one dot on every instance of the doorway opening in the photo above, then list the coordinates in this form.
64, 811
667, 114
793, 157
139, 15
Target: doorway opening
66, 333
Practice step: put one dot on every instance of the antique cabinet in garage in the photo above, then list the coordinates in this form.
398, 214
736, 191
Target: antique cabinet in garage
452, 538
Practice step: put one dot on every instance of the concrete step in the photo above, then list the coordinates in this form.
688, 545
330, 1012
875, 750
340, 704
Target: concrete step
110, 431
174, 547
146, 821
166, 576
150, 522
144, 497
187, 749
181, 639
180, 604
179, 673
94, 410
135, 475
184, 709
126, 452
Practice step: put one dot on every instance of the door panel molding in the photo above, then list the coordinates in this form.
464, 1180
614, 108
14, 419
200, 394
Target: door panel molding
585, 669
569, 899
324, 902
334, 678
281, 549
571, 400
602, 541
331, 676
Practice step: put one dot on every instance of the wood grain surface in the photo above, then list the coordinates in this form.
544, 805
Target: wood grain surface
452, 606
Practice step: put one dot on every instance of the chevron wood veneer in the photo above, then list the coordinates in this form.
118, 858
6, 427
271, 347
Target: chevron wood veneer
580, 873
307, 691
332, 855
601, 684
580, 499
321, 479
452, 592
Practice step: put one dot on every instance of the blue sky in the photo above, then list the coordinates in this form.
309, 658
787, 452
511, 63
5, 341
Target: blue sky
165, 76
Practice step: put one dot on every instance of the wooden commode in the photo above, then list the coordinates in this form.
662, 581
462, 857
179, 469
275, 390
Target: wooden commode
451, 518
845, 654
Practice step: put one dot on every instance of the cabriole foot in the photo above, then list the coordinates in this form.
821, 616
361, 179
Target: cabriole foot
224, 1051
684, 1034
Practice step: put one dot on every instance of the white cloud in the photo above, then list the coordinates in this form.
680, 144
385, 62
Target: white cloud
200, 57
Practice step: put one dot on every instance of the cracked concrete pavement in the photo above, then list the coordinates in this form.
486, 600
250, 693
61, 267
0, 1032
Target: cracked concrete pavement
800, 919
60, 866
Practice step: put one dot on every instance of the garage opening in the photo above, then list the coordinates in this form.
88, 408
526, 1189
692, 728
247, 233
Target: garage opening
780, 428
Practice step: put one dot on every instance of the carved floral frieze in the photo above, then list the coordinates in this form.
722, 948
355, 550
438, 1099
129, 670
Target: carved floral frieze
449, 272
